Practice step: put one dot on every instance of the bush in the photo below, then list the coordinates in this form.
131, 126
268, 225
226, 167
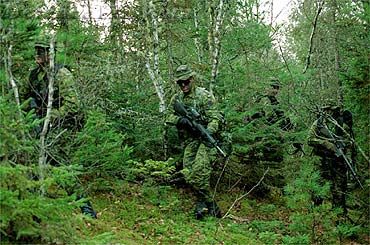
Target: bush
101, 149
28, 216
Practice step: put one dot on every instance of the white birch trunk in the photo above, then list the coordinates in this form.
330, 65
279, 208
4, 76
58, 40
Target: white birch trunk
51, 78
196, 39
211, 28
9, 72
155, 38
154, 73
158, 87
217, 43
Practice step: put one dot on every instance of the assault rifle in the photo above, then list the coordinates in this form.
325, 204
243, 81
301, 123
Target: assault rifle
339, 153
193, 116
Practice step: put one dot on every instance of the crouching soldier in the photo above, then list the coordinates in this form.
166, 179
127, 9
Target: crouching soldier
197, 153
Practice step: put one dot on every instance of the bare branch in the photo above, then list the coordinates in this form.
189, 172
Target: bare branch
219, 177
308, 59
246, 194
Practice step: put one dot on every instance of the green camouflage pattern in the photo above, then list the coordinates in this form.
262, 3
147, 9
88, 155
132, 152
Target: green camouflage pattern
183, 72
67, 90
65, 95
203, 102
332, 166
197, 168
197, 158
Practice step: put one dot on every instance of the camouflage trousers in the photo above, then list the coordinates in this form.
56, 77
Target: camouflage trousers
334, 170
197, 168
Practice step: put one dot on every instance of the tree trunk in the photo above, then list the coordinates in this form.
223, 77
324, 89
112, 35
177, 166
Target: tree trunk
152, 55
216, 36
337, 56
308, 59
51, 78
196, 39
8, 65
91, 21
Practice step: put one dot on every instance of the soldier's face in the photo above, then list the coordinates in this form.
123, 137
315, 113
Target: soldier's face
42, 56
274, 91
185, 85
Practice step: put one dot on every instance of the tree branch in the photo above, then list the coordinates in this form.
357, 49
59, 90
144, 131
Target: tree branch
246, 194
308, 59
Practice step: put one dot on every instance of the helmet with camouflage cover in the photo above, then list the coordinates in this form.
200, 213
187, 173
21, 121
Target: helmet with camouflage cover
330, 104
275, 82
42, 42
183, 72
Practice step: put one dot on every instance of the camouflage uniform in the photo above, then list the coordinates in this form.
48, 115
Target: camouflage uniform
197, 157
65, 107
64, 99
65, 104
332, 166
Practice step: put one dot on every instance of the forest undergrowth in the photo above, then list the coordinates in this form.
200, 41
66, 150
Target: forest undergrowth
151, 214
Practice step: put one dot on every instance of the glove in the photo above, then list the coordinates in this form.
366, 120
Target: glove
184, 124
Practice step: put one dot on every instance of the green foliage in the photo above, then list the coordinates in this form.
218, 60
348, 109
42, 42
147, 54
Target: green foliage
160, 171
299, 239
15, 127
101, 148
111, 76
309, 223
27, 216
345, 231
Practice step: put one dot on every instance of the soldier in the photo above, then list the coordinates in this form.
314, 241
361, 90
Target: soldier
197, 156
65, 108
330, 138
272, 111
269, 113
65, 104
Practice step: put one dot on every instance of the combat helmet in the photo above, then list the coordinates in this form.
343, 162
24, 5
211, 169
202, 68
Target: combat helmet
183, 72
330, 104
42, 42
275, 82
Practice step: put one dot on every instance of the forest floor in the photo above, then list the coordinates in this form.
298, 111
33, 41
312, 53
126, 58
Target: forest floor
155, 214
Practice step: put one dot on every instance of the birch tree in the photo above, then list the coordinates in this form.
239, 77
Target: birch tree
8, 67
216, 16
51, 77
152, 53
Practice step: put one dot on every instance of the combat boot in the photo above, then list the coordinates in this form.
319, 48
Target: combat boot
200, 210
88, 210
213, 209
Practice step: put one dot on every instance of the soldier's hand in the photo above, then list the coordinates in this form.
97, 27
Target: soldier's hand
184, 123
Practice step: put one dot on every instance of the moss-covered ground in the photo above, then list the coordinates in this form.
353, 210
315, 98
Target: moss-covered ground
154, 214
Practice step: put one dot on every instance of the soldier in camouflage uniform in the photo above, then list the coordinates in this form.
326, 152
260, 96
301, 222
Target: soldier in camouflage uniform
65, 104
65, 108
197, 156
327, 134
271, 108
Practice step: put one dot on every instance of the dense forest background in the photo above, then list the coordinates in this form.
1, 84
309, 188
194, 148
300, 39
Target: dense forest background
124, 161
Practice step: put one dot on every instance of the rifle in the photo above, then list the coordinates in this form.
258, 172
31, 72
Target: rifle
339, 153
193, 116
